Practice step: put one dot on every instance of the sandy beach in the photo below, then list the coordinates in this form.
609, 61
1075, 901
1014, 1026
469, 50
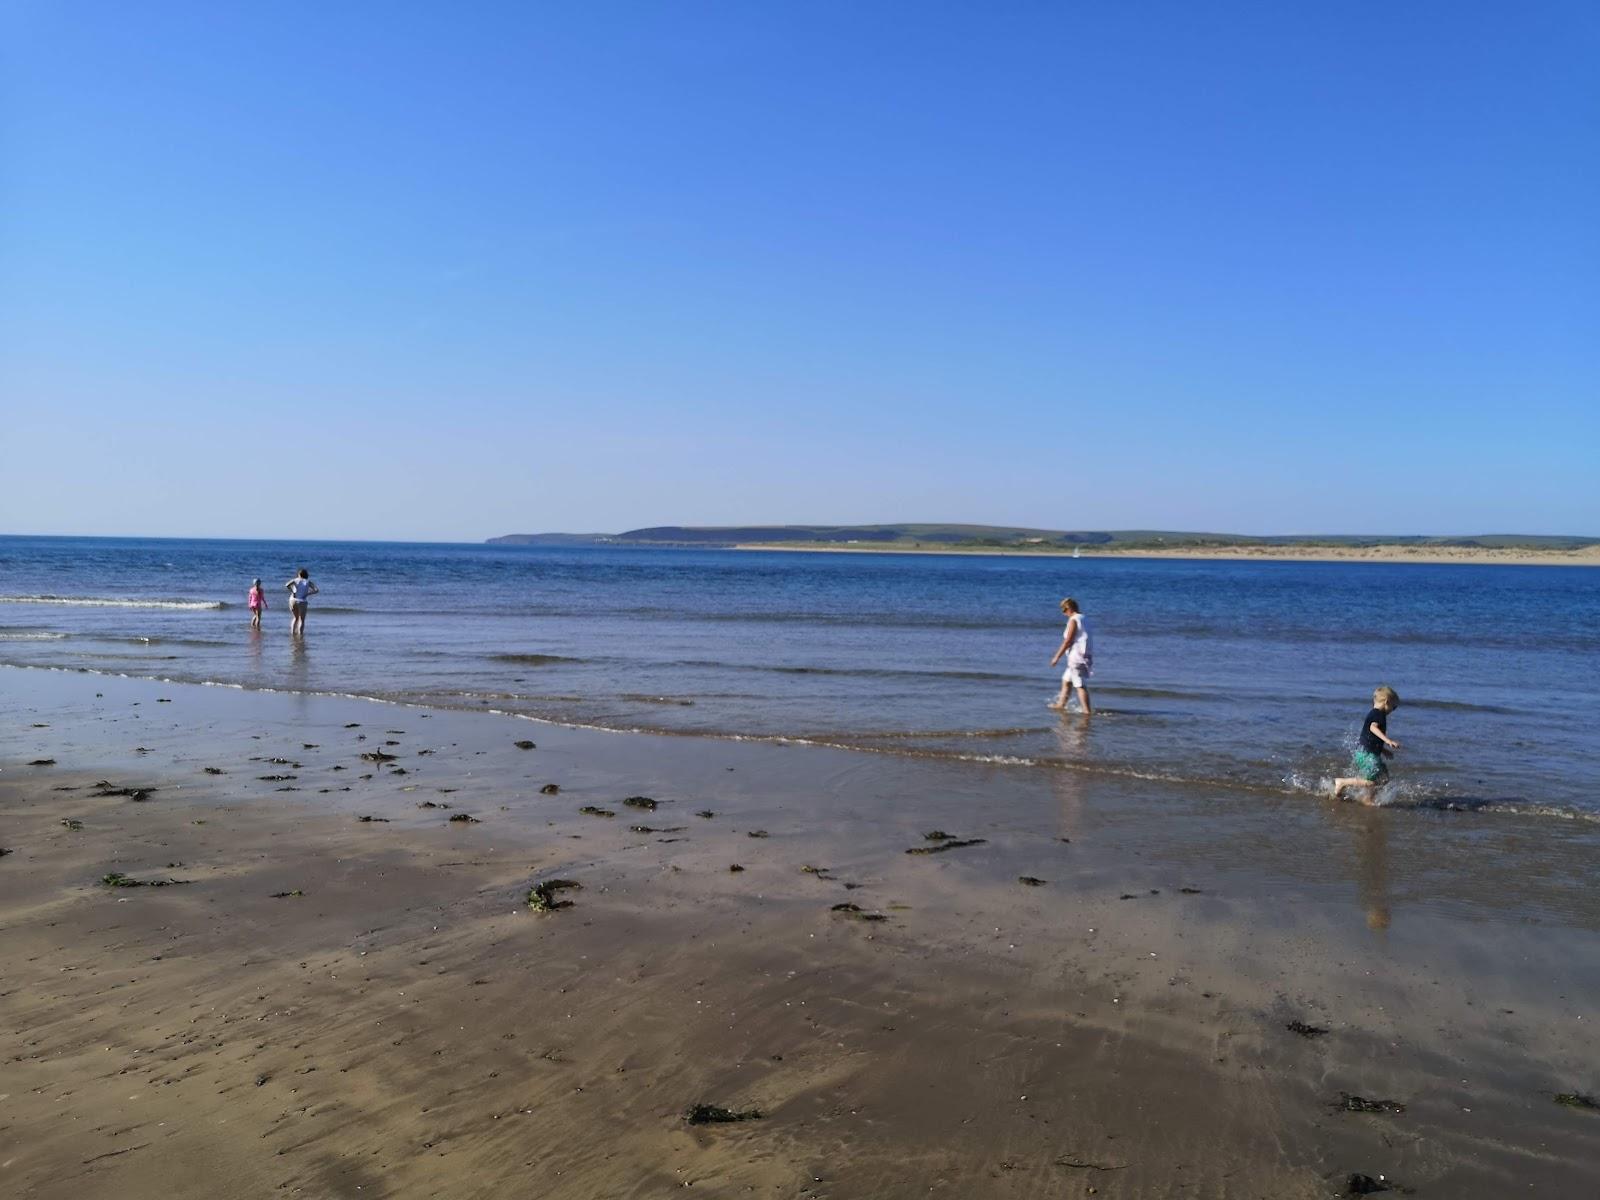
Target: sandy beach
1116, 990
1589, 556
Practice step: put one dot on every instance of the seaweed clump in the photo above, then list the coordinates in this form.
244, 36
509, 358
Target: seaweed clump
592, 810
1360, 1104
1309, 1032
856, 913
713, 1114
1364, 1185
463, 819
1577, 1100
524, 745
948, 844
116, 879
643, 802
542, 896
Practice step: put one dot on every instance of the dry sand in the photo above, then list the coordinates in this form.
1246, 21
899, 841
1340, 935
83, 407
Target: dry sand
1589, 556
405, 1026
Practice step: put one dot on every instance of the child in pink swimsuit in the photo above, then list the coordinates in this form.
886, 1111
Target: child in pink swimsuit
257, 603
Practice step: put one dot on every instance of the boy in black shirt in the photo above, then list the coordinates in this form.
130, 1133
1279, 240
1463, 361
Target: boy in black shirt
1375, 742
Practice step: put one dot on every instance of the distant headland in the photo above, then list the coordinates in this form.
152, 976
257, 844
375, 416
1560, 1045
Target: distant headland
1148, 543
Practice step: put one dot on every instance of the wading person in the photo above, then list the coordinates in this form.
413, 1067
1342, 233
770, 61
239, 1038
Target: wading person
300, 590
1080, 658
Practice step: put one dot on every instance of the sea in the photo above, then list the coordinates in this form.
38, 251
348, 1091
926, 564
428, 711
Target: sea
1248, 675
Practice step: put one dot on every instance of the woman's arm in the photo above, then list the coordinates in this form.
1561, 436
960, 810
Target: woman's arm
1066, 642
312, 588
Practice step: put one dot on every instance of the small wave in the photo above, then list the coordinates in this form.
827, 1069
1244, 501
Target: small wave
112, 602
1461, 706
31, 637
857, 672
930, 734
534, 660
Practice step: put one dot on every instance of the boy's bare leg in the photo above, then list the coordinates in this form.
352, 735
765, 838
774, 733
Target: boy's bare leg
1366, 786
1060, 702
1083, 701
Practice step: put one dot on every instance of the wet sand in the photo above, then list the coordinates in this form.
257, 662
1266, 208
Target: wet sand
327, 1006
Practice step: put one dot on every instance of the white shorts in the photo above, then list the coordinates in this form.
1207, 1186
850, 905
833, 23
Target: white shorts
1076, 674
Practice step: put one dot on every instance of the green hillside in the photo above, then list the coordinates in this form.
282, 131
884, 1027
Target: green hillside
933, 536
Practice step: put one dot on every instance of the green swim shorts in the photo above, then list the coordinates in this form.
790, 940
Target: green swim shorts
1369, 766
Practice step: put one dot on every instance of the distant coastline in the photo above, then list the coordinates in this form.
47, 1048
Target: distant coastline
912, 538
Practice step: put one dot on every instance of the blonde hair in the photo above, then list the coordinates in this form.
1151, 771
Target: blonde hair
1069, 605
1386, 697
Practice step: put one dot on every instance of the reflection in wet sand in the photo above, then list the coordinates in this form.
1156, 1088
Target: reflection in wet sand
1073, 736
1369, 831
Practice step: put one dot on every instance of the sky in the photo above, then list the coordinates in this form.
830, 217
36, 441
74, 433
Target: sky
446, 271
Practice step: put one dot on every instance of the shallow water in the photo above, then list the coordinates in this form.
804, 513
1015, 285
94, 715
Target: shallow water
1252, 674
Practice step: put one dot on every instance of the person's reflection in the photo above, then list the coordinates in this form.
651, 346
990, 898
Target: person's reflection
1369, 830
299, 665
1072, 733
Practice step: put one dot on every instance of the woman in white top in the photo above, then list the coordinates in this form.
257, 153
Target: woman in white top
300, 589
1080, 658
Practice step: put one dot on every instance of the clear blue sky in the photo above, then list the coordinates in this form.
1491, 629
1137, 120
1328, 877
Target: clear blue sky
452, 270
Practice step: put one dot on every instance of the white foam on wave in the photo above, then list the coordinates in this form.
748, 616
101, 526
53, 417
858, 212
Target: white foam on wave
31, 637
113, 602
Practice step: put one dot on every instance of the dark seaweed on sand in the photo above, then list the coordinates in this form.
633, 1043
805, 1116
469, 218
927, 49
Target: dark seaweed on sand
734, 868
116, 879
378, 756
712, 1114
856, 913
550, 789
758, 833
939, 835
105, 787
1577, 1100
463, 819
1306, 1031
705, 813
591, 810
542, 896
655, 829
43, 762
950, 844
71, 823
524, 745
370, 820
1363, 1185
287, 895
1030, 881
1360, 1104
643, 802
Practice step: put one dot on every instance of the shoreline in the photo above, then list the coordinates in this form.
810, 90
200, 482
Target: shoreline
1464, 555
340, 1007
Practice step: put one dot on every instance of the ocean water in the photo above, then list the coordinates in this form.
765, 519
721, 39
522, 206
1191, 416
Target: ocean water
1253, 675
